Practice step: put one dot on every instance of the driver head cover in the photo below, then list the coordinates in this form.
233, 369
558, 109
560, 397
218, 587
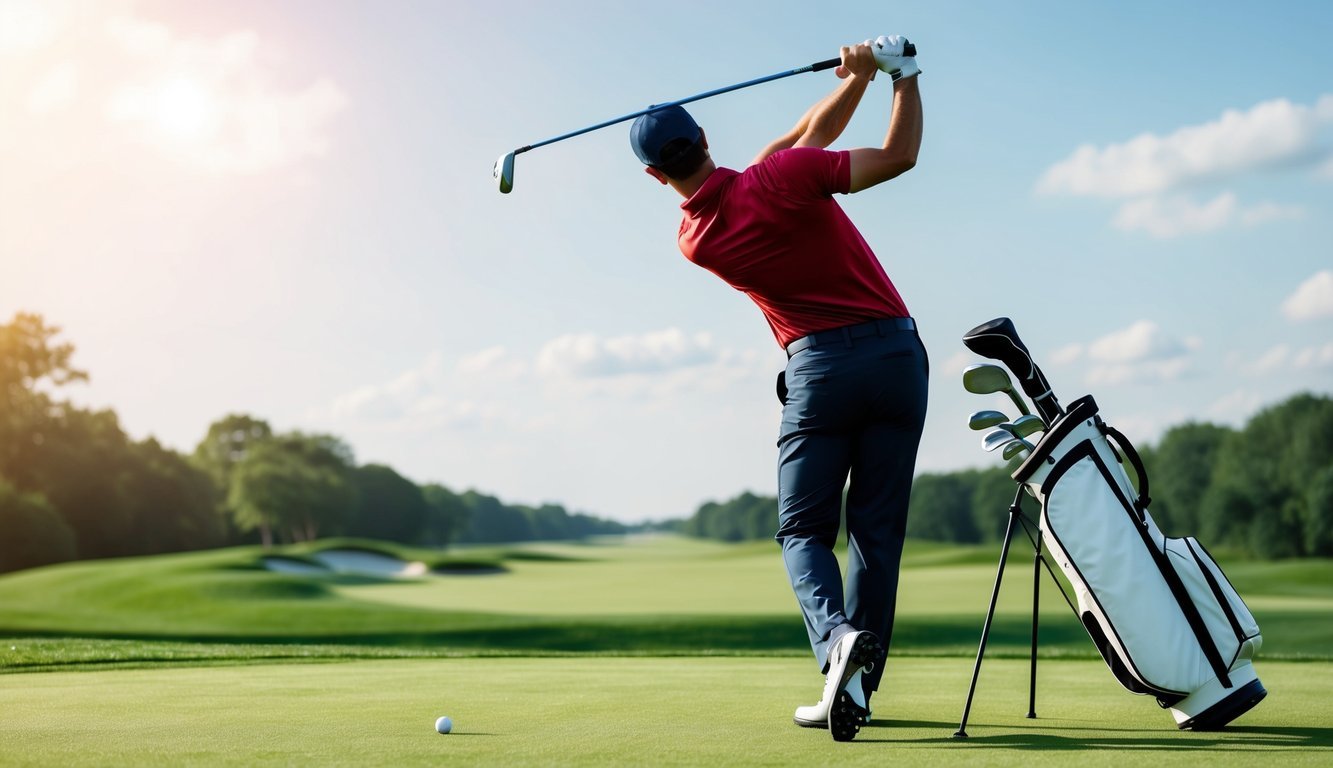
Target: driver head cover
651, 133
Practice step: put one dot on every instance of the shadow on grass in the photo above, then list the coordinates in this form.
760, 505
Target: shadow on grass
1233, 737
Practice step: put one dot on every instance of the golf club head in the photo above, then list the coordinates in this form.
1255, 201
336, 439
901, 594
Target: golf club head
995, 439
987, 378
985, 420
1025, 426
1015, 448
503, 171
998, 340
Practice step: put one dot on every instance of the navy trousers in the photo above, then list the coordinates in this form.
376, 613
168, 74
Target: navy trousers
852, 407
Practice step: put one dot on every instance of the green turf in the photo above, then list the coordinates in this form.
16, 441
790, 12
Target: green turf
621, 711
640, 596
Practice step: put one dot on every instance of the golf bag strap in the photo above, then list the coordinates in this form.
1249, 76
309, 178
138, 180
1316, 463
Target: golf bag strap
1127, 448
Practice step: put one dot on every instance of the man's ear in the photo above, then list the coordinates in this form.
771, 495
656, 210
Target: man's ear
703, 137
656, 174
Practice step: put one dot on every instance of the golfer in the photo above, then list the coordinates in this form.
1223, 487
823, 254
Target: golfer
854, 389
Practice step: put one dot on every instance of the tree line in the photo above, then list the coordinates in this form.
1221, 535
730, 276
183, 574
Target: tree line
74, 486
1265, 489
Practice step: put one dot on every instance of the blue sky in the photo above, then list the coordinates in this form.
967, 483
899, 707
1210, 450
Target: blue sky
286, 209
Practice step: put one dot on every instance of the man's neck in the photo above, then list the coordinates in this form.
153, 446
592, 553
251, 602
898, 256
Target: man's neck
688, 186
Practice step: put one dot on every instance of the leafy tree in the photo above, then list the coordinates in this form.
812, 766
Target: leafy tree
1180, 469
175, 502
446, 516
293, 487
226, 444
389, 506
941, 508
34, 533
1264, 496
30, 364
492, 521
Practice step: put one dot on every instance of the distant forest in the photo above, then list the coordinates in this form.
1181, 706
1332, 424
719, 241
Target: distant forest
1265, 489
73, 486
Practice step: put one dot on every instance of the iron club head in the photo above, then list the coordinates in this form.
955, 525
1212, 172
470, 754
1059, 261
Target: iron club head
1025, 426
985, 378
1016, 448
995, 439
985, 419
503, 171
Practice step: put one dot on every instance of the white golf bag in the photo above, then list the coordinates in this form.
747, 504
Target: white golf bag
1160, 611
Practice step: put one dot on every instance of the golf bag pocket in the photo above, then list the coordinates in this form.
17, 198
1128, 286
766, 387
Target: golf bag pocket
1227, 618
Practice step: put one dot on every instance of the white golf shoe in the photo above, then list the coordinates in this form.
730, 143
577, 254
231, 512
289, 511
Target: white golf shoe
843, 708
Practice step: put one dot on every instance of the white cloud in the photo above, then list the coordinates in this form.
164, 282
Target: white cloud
1272, 360
1314, 357
1312, 300
1170, 217
1150, 171
1140, 353
1269, 134
1235, 408
956, 363
589, 356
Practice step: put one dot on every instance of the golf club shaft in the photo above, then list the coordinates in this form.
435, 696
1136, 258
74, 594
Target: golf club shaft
816, 67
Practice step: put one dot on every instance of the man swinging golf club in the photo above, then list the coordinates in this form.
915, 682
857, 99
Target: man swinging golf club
854, 390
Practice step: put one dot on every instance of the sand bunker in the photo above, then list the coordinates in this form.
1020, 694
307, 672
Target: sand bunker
358, 562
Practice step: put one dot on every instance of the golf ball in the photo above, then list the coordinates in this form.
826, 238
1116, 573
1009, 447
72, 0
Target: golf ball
444, 725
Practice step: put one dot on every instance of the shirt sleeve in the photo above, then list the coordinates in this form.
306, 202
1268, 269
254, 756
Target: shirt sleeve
810, 172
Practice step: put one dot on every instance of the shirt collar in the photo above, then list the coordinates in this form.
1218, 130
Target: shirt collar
705, 193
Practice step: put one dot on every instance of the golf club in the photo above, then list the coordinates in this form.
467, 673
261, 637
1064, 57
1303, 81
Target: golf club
503, 170
998, 340
985, 378
985, 419
1025, 426
995, 439
1015, 448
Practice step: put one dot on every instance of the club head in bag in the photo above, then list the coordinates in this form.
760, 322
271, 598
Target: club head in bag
996, 439
1015, 448
985, 420
503, 171
998, 340
1025, 426
986, 378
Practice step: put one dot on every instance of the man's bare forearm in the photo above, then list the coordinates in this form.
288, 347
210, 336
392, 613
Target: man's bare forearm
902, 142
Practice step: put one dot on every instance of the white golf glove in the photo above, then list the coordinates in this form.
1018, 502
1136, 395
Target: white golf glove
890, 56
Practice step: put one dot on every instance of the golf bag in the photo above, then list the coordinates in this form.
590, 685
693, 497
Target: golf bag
1161, 612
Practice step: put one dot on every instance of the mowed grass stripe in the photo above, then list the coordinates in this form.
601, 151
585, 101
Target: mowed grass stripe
591, 711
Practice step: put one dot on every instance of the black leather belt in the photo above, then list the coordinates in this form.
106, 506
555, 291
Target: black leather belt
846, 334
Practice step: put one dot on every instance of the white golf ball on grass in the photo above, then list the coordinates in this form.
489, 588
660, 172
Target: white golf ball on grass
444, 725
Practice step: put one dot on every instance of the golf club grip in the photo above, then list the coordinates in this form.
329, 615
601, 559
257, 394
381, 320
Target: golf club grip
908, 50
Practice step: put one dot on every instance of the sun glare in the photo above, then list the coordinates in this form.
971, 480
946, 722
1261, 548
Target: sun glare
184, 110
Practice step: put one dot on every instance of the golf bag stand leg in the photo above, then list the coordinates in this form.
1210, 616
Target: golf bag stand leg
1036, 604
1015, 513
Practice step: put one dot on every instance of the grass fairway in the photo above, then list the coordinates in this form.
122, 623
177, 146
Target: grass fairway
649, 651
628, 711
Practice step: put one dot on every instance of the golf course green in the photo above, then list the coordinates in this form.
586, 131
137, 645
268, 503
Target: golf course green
639, 651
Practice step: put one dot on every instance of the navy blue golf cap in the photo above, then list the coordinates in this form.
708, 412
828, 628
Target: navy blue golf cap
650, 133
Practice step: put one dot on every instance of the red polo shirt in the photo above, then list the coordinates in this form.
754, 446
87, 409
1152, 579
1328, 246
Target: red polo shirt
775, 233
